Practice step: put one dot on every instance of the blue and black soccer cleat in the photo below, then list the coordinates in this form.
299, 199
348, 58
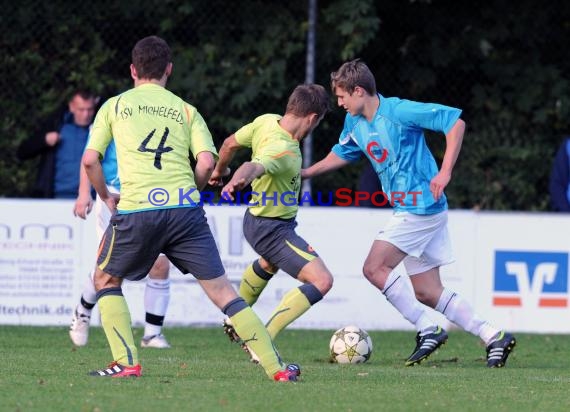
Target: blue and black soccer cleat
499, 350
426, 345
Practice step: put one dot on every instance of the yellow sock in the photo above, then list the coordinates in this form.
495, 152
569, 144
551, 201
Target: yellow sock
116, 322
293, 305
252, 284
251, 330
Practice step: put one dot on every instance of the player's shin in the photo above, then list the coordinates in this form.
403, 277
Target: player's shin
295, 302
156, 299
254, 280
460, 312
254, 335
116, 322
400, 294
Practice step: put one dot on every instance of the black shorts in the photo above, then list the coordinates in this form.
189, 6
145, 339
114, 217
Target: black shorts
133, 241
276, 241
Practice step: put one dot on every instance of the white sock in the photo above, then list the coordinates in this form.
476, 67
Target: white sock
156, 298
457, 310
89, 296
401, 296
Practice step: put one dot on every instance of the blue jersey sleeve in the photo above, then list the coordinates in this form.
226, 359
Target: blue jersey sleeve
347, 148
431, 116
109, 165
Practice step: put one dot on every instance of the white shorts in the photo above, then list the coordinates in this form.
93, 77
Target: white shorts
102, 214
424, 238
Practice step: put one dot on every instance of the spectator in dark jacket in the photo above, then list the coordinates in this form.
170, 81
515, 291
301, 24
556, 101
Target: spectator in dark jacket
61, 149
559, 186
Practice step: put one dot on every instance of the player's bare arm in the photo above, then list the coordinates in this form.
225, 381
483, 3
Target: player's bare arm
84, 202
242, 177
205, 164
227, 151
454, 139
328, 164
92, 165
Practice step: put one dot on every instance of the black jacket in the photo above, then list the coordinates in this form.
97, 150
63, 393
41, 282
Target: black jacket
37, 146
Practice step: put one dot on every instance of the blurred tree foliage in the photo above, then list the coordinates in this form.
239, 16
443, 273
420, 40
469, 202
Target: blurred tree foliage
235, 60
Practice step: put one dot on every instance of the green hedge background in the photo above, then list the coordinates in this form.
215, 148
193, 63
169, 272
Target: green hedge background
504, 63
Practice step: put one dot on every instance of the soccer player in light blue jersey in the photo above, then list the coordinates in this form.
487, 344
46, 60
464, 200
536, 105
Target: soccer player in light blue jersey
157, 290
390, 132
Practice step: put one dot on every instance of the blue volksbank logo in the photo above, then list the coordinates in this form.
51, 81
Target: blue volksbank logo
531, 279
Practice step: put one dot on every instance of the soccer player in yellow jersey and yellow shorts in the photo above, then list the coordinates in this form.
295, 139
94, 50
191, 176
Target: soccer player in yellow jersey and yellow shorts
159, 209
269, 222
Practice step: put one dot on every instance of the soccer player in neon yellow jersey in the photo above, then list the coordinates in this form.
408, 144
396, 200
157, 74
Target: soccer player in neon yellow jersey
155, 131
269, 222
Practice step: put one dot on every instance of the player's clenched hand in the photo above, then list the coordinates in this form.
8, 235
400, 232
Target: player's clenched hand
83, 206
232, 187
438, 184
216, 179
112, 201
228, 191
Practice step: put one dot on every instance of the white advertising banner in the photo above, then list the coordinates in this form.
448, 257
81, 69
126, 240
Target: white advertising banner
522, 271
512, 267
40, 254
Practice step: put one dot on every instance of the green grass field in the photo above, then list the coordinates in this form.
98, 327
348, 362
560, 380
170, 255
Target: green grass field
42, 371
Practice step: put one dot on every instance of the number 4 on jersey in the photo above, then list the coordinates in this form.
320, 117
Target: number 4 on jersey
159, 150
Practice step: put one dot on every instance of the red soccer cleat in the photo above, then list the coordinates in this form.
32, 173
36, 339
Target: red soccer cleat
290, 374
116, 370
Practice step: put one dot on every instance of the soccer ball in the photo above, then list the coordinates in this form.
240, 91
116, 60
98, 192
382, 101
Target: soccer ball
350, 345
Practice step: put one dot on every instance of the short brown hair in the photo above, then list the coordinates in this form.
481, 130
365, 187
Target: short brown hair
83, 93
307, 99
150, 56
352, 74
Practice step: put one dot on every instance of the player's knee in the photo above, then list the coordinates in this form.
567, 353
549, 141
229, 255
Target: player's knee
160, 269
376, 274
267, 266
426, 297
98, 284
368, 270
102, 280
324, 283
